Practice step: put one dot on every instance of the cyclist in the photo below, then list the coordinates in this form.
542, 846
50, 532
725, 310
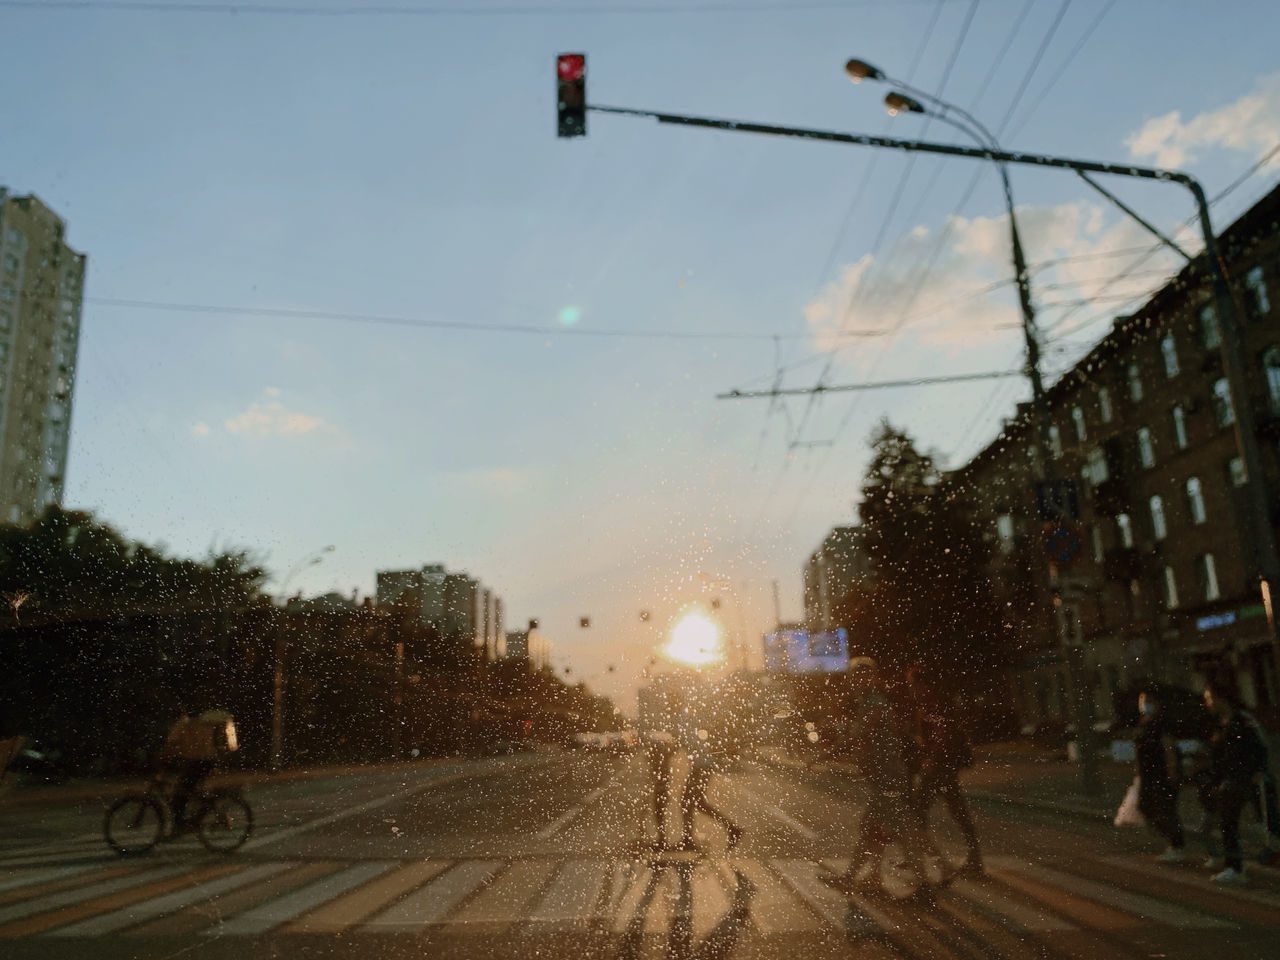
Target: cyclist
193, 747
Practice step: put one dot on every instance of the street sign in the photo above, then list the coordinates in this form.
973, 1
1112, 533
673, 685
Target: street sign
1062, 542
571, 95
1057, 500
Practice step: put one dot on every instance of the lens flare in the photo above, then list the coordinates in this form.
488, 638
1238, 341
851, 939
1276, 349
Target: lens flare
569, 316
695, 641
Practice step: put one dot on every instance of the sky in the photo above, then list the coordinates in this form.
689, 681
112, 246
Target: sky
346, 287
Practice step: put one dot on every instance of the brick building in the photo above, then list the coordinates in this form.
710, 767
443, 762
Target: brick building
1164, 584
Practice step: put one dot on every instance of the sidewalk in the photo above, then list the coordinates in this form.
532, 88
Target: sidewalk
1020, 775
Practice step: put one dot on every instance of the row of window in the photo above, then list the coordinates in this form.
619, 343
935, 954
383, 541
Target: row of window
1159, 525
1206, 574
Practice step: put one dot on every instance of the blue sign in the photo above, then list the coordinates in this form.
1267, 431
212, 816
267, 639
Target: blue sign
1215, 620
799, 651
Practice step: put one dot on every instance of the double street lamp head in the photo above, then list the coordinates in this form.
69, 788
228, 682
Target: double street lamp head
895, 101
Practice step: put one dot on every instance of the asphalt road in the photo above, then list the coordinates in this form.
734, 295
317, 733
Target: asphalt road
551, 855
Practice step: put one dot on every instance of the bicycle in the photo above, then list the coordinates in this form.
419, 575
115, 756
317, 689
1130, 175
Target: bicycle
138, 821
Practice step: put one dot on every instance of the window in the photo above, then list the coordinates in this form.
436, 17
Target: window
10, 263
1124, 526
1135, 383
1271, 370
1209, 577
1055, 442
1170, 589
1224, 414
1235, 472
1095, 542
1169, 350
1004, 529
1077, 418
1146, 450
6, 293
1195, 500
1255, 293
1209, 333
1179, 428
1159, 529
1104, 404
1098, 466
1086, 482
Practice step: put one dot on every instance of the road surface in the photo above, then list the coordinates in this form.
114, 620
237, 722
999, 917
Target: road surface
550, 855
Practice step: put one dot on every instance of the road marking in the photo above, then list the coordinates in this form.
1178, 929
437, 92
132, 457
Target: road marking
574, 892
710, 901
634, 887
1027, 917
358, 905
773, 908
508, 895
46, 919
78, 841
1194, 881
562, 821
1145, 907
431, 903
102, 888
159, 906
201, 915
275, 836
801, 876
275, 912
777, 813
19, 887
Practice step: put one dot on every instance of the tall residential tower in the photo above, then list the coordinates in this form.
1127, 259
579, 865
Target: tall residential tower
41, 290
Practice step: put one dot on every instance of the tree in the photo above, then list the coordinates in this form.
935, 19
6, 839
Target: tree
931, 598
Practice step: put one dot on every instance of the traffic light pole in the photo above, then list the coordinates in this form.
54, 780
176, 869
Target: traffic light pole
1257, 512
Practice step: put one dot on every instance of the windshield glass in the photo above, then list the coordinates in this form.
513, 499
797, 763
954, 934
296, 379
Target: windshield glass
639, 478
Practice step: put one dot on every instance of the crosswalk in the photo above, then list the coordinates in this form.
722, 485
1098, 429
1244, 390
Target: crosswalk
769, 897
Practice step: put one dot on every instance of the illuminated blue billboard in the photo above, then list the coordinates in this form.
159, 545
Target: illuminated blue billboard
799, 651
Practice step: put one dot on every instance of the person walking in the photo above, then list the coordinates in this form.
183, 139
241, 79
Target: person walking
879, 746
708, 748
944, 750
660, 748
1238, 756
1159, 777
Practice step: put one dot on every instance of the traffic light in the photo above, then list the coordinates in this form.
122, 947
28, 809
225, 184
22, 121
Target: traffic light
571, 94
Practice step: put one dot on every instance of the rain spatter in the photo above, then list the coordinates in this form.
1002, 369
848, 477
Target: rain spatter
569, 316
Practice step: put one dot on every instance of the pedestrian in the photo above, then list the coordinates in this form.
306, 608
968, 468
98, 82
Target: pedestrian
1159, 777
879, 748
708, 749
944, 750
660, 749
1238, 757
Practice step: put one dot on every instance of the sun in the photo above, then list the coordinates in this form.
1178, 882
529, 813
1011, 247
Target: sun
695, 641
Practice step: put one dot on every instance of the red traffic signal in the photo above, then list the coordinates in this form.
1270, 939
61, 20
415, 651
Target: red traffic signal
571, 66
571, 95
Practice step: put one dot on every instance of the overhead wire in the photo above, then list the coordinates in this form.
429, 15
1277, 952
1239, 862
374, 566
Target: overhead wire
943, 238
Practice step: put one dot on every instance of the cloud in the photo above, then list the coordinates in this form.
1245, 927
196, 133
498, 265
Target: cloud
200, 429
270, 418
966, 300
1250, 124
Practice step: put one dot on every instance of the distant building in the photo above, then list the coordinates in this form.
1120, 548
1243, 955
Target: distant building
41, 291
420, 593
517, 645
832, 574
499, 629
463, 612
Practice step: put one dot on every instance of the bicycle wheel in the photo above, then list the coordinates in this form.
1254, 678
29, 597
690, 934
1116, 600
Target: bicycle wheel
133, 824
224, 823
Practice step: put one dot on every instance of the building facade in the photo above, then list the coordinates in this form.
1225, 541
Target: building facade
41, 295
1164, 584
832, 573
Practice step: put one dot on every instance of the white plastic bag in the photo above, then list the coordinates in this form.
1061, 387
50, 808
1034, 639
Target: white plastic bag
1129, 815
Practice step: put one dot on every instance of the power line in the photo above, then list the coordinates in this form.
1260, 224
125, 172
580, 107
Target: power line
460, 325
403, 10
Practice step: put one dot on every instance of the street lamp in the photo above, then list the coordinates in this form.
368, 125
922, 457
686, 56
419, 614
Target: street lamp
277, 686
904, 98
